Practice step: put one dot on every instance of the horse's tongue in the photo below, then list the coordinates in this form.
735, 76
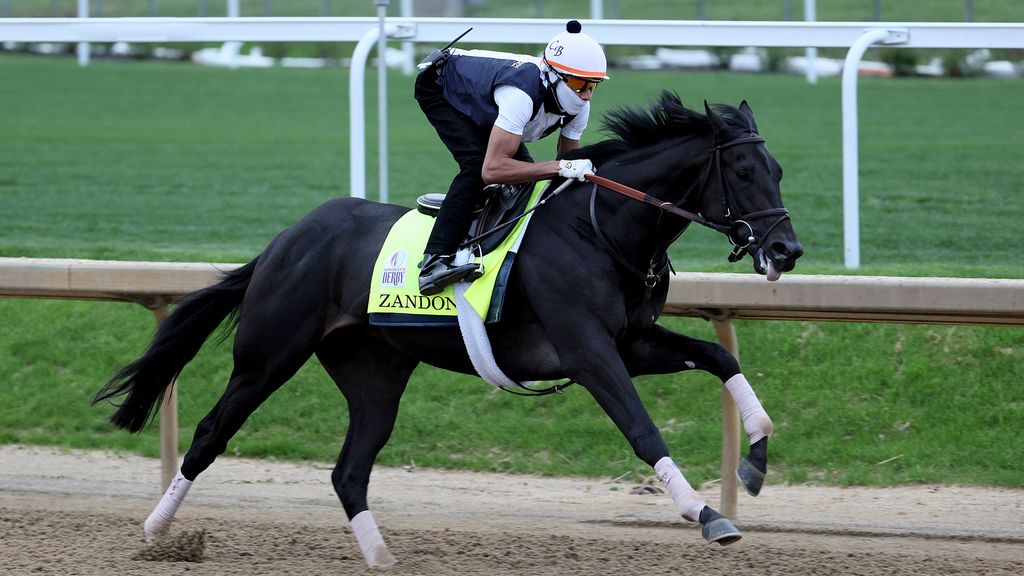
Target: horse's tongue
771, 272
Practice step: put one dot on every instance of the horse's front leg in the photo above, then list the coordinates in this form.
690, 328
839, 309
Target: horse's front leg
599, 369
661, 351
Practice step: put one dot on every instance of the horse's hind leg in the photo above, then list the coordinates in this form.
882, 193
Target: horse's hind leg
270, 346
372, 376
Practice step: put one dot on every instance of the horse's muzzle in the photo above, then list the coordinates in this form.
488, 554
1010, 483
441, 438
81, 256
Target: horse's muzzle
777, 257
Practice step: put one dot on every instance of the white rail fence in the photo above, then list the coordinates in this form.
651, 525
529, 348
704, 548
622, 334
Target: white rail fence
857, 37
717, 297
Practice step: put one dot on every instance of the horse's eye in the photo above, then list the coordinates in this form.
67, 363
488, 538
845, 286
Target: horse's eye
743, 175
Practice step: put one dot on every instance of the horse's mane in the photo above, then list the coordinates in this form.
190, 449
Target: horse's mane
633, 129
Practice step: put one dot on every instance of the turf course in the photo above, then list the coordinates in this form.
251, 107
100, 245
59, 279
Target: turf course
158, 161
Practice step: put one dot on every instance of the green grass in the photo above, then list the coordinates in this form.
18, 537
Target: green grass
157, 161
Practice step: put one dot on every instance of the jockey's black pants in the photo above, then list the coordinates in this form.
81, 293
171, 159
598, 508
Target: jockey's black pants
467, 142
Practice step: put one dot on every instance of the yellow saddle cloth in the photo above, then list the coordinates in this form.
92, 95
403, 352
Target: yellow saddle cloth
395, 297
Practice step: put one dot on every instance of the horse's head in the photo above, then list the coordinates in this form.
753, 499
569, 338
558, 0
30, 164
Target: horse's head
740, 193
714, 164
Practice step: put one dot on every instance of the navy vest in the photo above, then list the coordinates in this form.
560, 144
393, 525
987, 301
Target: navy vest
469, 83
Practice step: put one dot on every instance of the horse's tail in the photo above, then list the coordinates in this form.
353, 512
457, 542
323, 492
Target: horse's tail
177, 340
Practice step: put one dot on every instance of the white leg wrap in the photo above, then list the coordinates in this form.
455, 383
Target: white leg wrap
755, 420
159, 520
371, 542
688, 502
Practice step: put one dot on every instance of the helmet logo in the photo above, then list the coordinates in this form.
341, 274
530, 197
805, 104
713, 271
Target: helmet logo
556, 48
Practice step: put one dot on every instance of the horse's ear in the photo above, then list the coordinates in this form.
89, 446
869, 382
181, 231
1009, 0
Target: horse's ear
718, 124
749, 114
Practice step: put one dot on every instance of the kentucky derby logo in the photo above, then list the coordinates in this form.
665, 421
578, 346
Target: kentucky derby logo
394, 270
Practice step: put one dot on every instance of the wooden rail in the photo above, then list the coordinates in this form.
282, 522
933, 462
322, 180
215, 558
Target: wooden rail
974, 301
717, 297
151, 284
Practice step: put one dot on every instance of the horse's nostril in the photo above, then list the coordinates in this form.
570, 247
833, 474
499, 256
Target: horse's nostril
787, 251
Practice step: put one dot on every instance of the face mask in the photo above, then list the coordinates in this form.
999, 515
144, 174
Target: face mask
570, 101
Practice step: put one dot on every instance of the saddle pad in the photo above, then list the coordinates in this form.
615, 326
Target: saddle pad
395, 297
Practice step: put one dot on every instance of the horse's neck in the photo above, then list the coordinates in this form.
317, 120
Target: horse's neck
638, 227
665, 172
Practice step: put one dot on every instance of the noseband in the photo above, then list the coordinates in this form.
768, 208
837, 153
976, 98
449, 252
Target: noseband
739, 230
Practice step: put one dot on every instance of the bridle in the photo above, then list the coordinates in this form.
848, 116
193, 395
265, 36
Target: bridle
739, 231
740, 240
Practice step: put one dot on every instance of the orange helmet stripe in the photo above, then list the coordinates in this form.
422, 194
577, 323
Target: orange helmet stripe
575, 72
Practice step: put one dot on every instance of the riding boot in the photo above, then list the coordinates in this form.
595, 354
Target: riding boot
437, 271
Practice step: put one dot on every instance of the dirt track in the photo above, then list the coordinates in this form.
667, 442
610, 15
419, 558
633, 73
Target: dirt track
81, 513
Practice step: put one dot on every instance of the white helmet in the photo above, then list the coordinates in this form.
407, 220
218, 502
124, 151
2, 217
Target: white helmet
574, 53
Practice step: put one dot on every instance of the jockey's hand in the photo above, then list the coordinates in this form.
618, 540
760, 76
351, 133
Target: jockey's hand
577, 169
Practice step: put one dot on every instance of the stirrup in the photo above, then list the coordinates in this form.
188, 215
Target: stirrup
473, 256
438, 272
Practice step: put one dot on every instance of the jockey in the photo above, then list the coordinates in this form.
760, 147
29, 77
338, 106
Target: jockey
485, 106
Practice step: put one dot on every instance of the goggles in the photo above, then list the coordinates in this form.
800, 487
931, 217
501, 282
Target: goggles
577, 84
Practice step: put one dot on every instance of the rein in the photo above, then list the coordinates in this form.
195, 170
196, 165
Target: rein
646, 198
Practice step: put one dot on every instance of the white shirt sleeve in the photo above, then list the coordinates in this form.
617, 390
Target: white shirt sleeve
514, 108
574, 130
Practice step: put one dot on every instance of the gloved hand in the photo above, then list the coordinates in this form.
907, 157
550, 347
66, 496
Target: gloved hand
577, 169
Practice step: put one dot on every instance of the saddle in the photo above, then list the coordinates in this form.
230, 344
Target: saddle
495, 236
493, 219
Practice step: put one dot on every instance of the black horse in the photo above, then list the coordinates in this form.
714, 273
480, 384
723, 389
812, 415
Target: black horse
586, 290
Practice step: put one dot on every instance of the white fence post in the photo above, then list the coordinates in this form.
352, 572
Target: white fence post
357, 108
357, 114
408, 48
851, 172
83, 47
382, 100
810, 15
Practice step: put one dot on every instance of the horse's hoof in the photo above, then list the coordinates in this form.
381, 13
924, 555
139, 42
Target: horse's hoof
720, 530
751, 478
155, 529
380, 557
